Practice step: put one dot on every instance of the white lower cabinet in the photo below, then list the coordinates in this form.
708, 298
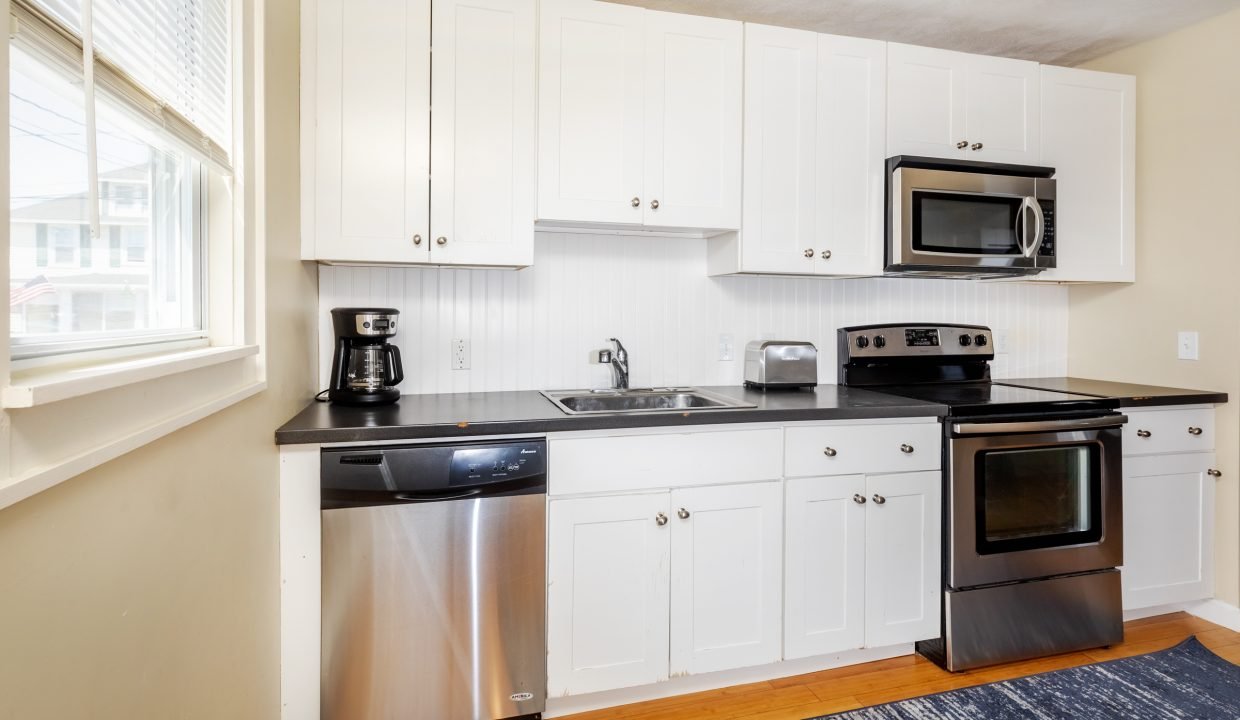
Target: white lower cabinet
862, 562
1168, 529
607, 593
727, 547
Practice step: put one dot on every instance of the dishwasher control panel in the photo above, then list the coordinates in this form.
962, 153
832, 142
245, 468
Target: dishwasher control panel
496, 463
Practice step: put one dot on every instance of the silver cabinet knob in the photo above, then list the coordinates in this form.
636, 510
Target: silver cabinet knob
417, 239
660, 519
683, 514
1214, 473
976, 146
906, 449
1143, 433
826, 254
654, 204
1194, 431
809, 252
879, 499
962, 144
859, 499
441, 240
636, 202
829, 452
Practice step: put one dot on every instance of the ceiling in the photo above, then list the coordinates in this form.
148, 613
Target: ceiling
1060, 32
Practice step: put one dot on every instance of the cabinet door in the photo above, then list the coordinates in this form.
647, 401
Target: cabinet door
925, 101
903, 579
607, 593
727, 557
1088, 136
851, 167
1168, 529
779, 197
693, 121
1001, 115
482, 132
824, 565
590, 111
366, 88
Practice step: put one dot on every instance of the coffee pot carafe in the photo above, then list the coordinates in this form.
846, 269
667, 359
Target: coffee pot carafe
365, 367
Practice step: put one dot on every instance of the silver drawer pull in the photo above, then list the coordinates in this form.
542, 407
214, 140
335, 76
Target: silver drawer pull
859, 499
660, 519
1214, 473
829, 452
879, 499
683, 514
1194, 431
906, 449
1143, 433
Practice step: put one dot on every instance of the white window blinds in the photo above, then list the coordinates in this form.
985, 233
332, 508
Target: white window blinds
176, 50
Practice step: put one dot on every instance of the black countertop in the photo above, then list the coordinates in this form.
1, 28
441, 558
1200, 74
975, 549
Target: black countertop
1128, 394
512, 413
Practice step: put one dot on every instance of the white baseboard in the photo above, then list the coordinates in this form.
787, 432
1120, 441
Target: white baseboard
558, 707
1217, 612
1139, 613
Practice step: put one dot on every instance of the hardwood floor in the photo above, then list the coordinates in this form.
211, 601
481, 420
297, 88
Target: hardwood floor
807, 696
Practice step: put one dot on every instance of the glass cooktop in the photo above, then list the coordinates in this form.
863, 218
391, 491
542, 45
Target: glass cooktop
986, 398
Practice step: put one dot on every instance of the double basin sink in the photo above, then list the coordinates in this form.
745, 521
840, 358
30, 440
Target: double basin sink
641, 400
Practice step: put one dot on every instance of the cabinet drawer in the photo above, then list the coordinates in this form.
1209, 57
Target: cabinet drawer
847, 449
675, 459
1149, 432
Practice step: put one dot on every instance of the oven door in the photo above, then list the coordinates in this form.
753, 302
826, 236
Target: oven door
1032, 500
953, 220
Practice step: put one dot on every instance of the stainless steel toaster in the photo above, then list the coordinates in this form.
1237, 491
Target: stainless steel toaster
781, 364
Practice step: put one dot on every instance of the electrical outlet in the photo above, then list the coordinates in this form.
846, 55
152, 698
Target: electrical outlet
725, 348
1001, 341
1186, 347
460, 354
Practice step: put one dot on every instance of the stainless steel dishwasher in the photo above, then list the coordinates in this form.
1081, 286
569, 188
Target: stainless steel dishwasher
434, 581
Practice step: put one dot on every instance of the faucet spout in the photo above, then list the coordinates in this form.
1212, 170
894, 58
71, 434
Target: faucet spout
619, 361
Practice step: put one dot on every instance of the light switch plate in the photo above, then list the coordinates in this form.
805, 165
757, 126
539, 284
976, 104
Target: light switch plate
1187, 346
1001, 341
726, 348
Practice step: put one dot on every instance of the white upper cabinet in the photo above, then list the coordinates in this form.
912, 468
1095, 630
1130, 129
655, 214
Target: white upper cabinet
780, 200
482, 157
1089, 137
949, 104
851, 172
366, 104
369, 145
639, 117
814, 149
591, 111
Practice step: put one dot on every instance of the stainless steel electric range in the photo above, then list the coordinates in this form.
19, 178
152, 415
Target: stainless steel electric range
1032, 526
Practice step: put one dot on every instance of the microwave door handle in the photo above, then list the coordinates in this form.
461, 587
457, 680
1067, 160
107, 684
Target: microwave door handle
1040, 223
1020, 227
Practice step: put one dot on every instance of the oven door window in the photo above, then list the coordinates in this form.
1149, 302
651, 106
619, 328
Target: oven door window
1039, 497
965, 223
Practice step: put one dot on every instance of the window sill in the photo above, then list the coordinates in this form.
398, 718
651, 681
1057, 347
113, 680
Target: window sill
47, 385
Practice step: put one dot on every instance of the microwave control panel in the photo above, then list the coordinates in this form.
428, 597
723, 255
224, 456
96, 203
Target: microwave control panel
1048, 234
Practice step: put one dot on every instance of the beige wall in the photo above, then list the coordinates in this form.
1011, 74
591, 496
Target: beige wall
149, 587
1188, 247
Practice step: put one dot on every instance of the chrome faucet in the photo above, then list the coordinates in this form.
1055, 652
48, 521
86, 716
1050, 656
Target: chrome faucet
619, 361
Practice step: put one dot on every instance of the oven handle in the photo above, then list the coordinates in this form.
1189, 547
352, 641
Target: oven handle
1097, 423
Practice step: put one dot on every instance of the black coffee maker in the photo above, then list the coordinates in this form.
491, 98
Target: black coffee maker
365, 368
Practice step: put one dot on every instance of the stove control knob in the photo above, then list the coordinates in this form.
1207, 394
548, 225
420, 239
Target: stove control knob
863, 341
980, 340
880, 342
965, 341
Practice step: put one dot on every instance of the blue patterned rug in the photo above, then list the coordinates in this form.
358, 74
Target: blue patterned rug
1186, 681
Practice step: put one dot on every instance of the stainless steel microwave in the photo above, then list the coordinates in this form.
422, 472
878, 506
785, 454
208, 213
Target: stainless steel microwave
959, 218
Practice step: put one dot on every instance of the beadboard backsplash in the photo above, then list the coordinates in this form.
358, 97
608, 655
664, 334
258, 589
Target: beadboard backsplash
540, 328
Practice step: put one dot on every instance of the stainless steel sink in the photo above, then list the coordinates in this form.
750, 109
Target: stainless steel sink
641, 400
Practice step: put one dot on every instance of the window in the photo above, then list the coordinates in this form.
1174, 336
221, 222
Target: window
123, 264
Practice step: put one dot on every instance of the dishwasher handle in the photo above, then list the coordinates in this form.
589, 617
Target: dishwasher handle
337, 498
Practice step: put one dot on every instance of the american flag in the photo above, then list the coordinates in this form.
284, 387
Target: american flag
37, 286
